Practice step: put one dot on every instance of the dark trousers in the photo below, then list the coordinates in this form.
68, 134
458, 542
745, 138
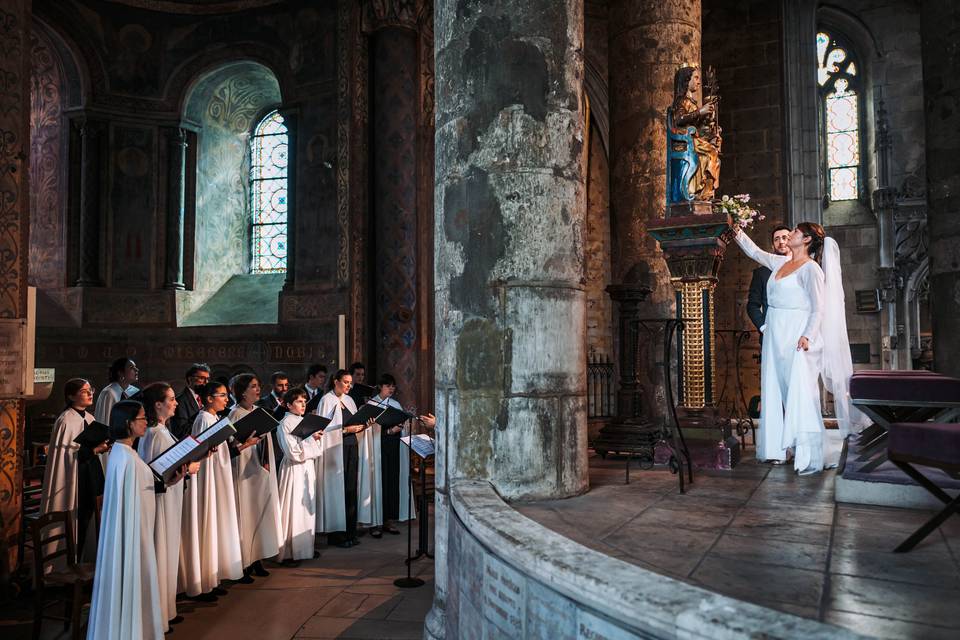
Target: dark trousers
390, 462
351, 463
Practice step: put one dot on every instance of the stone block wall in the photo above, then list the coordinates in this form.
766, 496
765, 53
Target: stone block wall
742, 42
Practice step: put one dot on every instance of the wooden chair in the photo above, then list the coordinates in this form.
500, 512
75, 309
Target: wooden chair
76, 580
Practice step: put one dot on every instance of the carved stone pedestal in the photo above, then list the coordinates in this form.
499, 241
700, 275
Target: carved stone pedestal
693, 240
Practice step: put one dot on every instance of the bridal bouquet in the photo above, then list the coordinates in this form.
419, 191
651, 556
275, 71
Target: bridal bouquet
739, 209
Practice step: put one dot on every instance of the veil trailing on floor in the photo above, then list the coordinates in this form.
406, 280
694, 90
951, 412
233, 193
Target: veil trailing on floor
837, 362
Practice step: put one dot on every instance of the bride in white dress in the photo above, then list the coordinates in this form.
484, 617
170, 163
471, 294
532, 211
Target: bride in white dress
799, 345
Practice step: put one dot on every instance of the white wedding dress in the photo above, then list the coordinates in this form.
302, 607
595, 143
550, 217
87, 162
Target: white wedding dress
790, 415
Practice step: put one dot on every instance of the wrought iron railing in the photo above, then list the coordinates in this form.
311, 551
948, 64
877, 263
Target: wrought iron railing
601, 392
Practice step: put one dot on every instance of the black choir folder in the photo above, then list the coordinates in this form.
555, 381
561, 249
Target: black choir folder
256, 423
314, 402
391, 416
310, 424
94, 434
191, 449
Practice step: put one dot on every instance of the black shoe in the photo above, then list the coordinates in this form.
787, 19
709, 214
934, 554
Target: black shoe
246, 579
355, 541
203, 597
176, 620
316, 555
259, 571
218, 591
346, 544
376, 533
392, 530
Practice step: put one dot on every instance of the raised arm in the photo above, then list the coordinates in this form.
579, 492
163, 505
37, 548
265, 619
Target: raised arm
770, 260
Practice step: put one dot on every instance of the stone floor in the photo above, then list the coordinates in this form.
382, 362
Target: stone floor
347, 593
762, 534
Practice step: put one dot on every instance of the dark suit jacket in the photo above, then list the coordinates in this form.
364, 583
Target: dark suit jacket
270, 403
181, 423
757, 300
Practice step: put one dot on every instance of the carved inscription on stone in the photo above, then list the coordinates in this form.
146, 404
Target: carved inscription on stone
236, 352
297, 352
591, 627
549, 615
504, 597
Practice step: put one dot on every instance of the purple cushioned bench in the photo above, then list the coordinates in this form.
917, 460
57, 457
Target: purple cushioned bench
887, 397
931, 444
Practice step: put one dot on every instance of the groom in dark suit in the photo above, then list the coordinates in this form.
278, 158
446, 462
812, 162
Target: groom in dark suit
757, 300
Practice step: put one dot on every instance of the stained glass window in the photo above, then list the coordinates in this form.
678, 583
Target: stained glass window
268, 195
840, 117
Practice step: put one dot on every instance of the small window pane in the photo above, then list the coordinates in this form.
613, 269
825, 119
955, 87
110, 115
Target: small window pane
268, 195
842, 149
841, 113
843, 184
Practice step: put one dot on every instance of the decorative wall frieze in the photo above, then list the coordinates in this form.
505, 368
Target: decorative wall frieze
378, 14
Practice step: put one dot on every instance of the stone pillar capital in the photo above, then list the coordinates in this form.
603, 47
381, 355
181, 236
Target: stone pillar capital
404, 14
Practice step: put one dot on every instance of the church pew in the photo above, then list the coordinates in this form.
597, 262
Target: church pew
887, 397
930, 444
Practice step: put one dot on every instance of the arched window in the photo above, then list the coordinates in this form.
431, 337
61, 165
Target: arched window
838, 77
268, 195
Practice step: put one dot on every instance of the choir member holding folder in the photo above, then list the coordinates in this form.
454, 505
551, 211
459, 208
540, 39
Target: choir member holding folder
338, 500
210, 539
73, 478
298, 480
160, 404
255, 472
126, 597
123, 373
395, 475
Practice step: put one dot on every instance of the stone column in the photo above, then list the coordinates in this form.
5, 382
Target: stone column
649, 39
510, 206
176, 184
14, 250
394, 92
291, 121
90, 175
940, 31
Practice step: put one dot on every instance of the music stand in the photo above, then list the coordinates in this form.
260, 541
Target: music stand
411, 582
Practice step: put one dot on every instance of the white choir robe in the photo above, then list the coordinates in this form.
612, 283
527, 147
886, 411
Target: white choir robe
407, 507
258, 501
369, 487
60, 479
126, 598
298, 489
210, 544
109, 396
166, 534
331, 503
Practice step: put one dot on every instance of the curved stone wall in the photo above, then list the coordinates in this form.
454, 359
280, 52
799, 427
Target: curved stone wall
510, 577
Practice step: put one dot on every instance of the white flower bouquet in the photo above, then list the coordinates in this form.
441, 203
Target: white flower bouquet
738, 208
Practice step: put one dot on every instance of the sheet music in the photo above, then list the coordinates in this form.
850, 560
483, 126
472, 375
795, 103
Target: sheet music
422, 445
165, 461
214, 430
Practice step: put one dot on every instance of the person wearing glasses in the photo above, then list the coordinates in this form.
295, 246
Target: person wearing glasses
210, 539
126, 591
188, 402
73, 478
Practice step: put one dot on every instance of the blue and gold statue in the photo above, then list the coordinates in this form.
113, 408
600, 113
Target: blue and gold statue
693, 139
